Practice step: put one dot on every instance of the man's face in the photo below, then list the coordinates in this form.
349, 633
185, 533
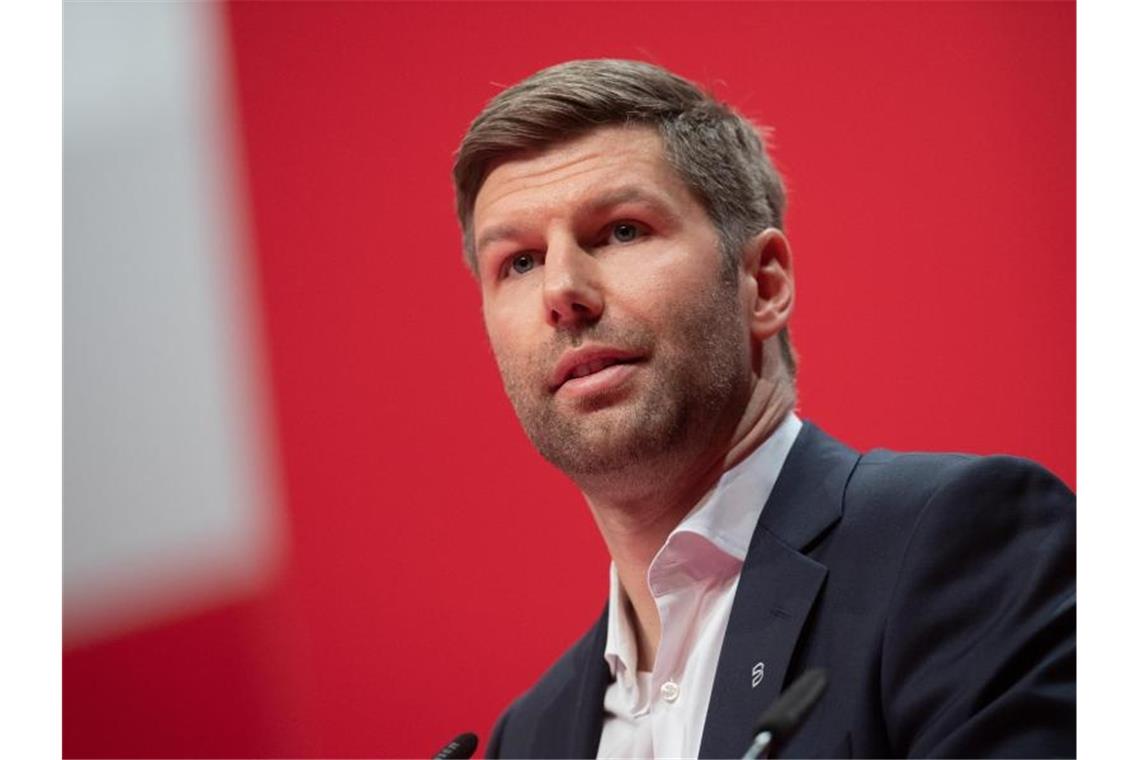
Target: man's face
617, 326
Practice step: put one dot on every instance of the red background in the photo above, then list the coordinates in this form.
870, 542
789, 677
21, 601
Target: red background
436, 564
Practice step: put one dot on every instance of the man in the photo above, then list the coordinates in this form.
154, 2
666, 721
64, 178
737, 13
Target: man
625, 231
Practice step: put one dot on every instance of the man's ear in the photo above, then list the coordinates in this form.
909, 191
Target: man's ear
767, 268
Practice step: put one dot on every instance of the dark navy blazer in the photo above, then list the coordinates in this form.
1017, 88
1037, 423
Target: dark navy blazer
937, 590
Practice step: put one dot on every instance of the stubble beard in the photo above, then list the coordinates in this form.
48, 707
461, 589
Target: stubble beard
697, 375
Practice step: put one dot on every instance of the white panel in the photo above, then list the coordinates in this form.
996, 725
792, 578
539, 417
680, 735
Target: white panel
167, 503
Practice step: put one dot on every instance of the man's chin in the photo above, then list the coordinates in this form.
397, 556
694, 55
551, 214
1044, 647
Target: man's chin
589, 459
609, 438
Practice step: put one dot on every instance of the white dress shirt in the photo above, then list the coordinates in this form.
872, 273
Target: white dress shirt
693, 580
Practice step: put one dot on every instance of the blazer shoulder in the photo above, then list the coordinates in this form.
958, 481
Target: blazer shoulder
910, 481
980, 623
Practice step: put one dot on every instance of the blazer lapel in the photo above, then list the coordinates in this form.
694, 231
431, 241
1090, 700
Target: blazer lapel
573, 720
589, 708
778, 586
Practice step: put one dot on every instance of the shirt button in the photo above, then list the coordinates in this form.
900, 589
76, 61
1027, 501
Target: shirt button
670, 691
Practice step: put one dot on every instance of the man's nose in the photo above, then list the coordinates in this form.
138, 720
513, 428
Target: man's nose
572, 293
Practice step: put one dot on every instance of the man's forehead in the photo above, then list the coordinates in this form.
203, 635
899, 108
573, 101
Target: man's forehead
593, 168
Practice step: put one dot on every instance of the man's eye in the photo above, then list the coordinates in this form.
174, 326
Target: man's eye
625, 232
522, 263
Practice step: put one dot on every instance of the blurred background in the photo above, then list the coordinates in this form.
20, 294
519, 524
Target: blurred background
299, 516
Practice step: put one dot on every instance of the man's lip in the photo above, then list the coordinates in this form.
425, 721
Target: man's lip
571, 360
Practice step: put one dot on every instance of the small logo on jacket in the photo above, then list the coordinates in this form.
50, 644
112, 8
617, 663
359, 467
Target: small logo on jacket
757, 674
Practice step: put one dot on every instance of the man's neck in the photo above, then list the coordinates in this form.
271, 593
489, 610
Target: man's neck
637, 511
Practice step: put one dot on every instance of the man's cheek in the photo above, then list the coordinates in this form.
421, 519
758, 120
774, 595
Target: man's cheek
503, 355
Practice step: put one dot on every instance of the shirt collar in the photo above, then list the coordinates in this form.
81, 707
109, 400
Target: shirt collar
712, 539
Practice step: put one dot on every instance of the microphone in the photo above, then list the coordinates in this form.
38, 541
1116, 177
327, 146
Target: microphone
783, 717
459, 748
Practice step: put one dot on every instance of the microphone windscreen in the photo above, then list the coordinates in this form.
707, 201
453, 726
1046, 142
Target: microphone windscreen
792, 706
459, 748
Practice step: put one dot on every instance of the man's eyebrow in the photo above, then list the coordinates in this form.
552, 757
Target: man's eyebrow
631, 194
495, 234
596, 205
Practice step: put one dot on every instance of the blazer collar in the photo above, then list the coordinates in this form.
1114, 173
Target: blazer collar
808, 496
